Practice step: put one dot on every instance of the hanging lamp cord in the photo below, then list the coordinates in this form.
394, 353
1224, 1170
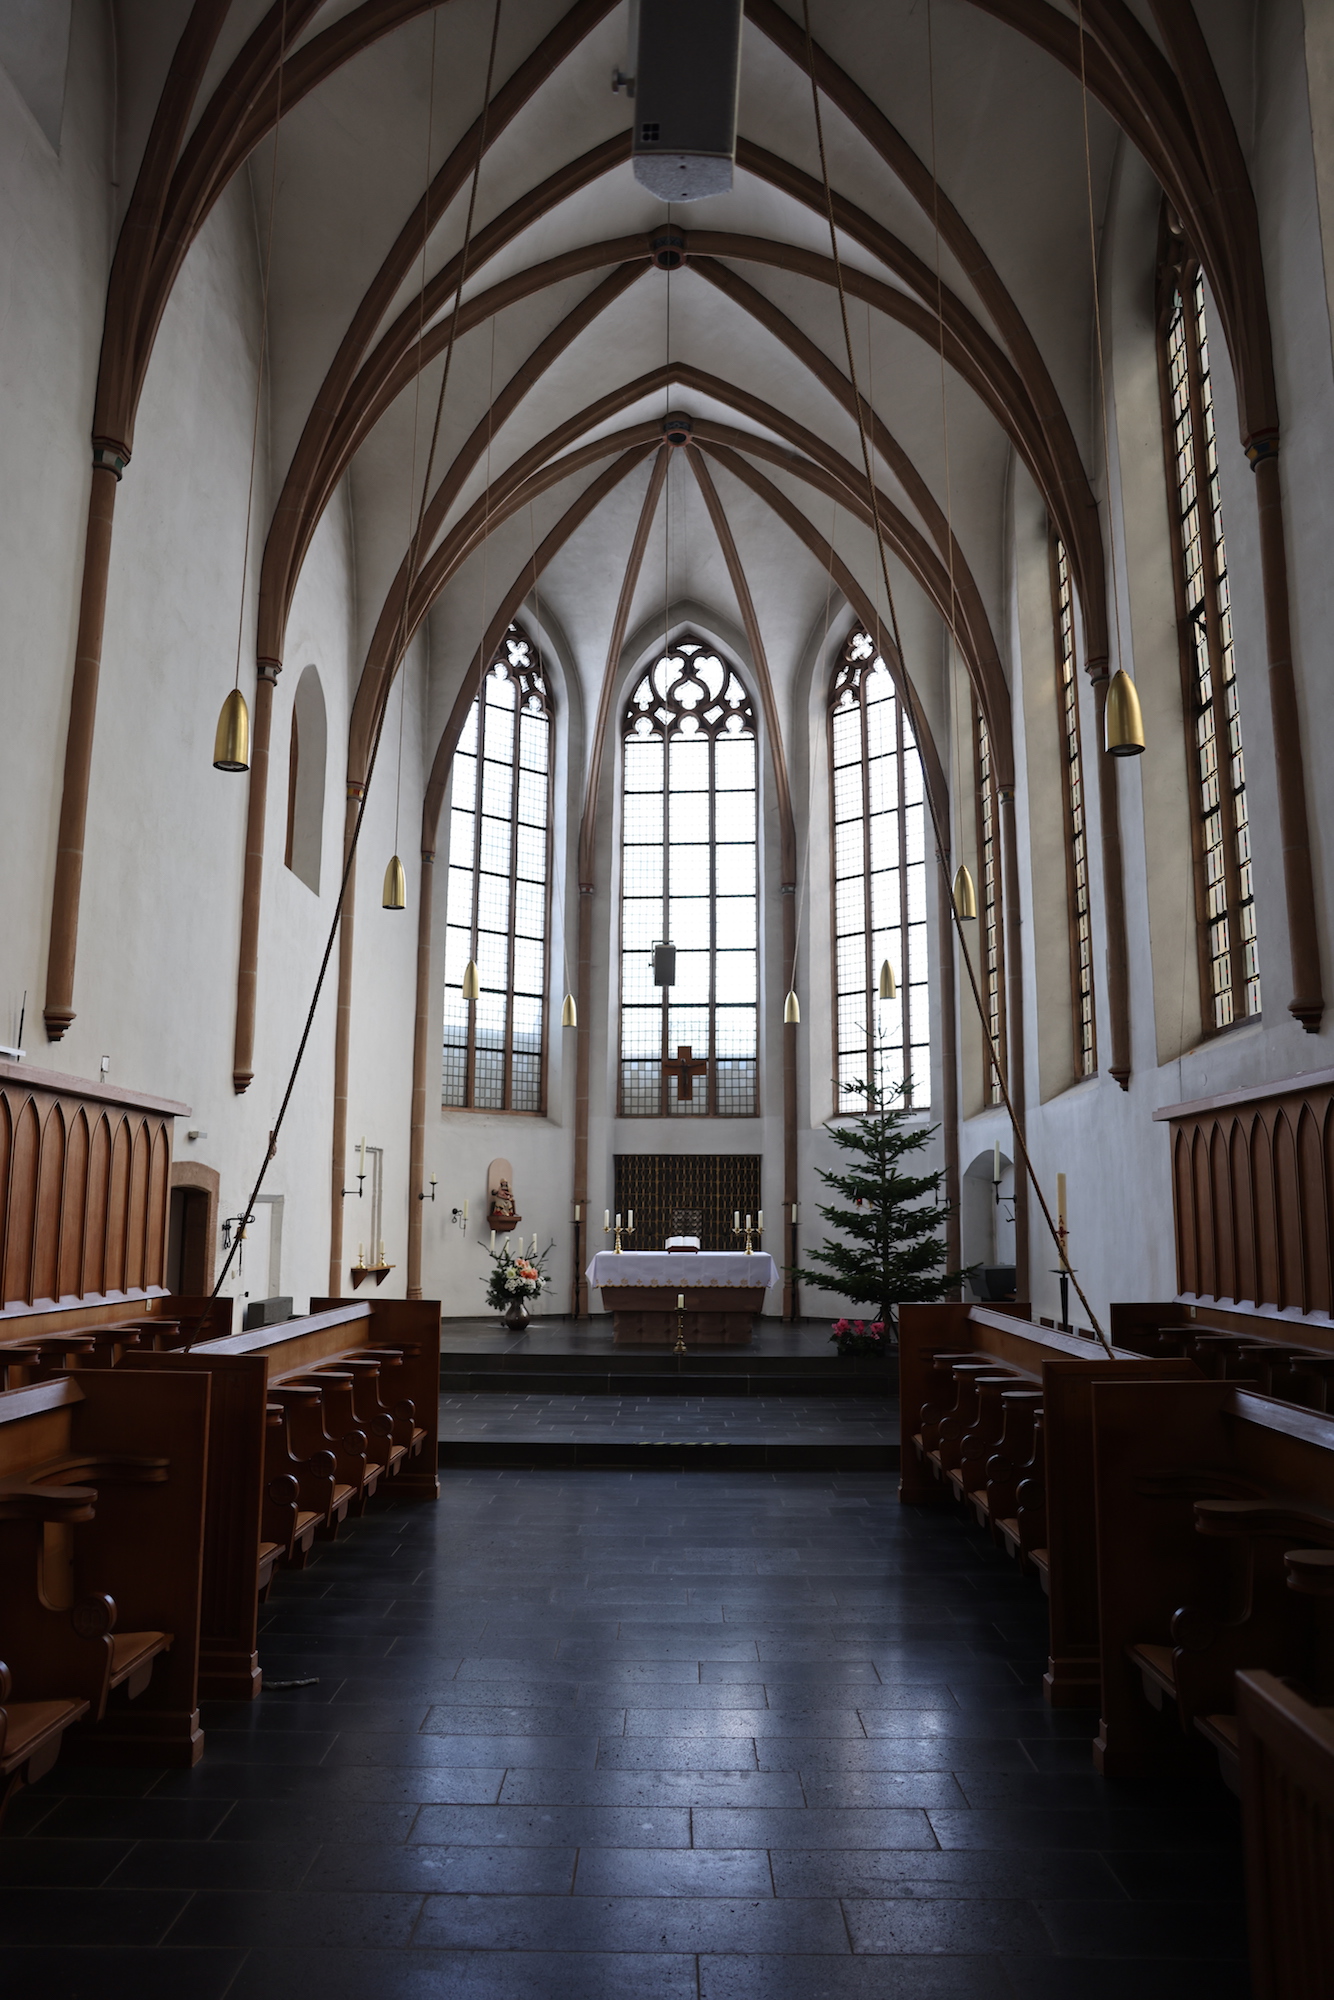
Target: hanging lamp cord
1020, 1143
382, 705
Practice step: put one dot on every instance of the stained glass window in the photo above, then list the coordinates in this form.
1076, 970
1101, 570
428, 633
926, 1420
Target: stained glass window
1076, 832
1230, 968
992, 950
690, 877
499, 843
879, 882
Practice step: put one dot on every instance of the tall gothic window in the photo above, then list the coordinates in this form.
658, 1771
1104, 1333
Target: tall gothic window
690, 877
1076, 832
499, 869
992, 952
879, 882
1225, 898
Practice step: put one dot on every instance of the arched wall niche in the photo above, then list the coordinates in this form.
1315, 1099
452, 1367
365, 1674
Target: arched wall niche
308, 758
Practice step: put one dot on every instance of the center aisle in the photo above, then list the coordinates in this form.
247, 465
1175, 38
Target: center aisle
605, 1736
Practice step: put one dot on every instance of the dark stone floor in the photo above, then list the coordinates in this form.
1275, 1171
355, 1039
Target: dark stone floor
613, 1736
828, 1420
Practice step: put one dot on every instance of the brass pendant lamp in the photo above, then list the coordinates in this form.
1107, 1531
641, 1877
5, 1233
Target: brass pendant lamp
231, 743
472, 985
231, 740
888, 990
792, 1010
395, 886
1123, 721
965, 896
569, 1013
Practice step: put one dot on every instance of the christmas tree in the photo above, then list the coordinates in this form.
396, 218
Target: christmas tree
893, 1219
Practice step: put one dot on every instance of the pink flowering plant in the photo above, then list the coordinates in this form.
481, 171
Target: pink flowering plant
859, 1336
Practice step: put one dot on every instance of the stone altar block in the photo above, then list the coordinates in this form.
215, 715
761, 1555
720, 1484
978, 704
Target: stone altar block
724, 1294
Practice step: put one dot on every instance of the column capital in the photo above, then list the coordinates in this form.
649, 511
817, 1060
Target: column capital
1261, 445
109, 456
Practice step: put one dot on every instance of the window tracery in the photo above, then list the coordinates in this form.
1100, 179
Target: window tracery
690, 876
1225, 896
494, 1050
992, 953
879, 841
1076, 829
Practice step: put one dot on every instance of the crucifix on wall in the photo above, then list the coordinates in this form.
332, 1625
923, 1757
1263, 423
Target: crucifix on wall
685, 1067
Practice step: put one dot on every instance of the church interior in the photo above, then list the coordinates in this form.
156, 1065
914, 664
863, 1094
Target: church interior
666, 1101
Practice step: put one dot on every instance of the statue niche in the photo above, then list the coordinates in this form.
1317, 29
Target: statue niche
502, 1209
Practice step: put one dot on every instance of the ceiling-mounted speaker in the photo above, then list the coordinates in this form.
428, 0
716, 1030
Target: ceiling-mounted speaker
664, 965
687, 75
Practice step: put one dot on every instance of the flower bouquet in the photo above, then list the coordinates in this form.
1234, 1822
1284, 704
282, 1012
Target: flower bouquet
516, 1277
859, 1336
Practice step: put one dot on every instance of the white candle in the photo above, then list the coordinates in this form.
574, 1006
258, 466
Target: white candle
534, 1248
465, 1207
1060, 1199
606, 1218
680, 1302
631, 1223
576, 1212
759, 1220
363, 1153
382, 1249
618, 1218
736, 1218
361, 1255
493, 1242
748, 1222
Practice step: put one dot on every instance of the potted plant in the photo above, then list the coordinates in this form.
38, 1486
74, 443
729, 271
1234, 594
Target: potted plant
893, 1220
516, 1277
859, 1336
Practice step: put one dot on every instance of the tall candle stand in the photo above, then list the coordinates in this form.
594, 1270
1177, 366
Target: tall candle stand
578, 1263
1062, 1272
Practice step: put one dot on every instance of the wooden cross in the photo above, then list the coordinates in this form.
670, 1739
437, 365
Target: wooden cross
685, 1069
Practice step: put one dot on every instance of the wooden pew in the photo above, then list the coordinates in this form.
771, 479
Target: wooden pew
1286, 1749
1210, 1499
980, 1356
247, 1531
102, 1480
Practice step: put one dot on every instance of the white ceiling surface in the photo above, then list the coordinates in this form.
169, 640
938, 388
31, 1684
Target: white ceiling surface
1009, 146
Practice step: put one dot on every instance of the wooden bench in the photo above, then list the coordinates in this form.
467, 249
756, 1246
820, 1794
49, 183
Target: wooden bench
1286, 1747
102, 1481
321, 1376
1215, 1535
996, 1413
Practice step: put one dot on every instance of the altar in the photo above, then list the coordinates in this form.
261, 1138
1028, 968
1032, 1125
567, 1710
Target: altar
723, 1290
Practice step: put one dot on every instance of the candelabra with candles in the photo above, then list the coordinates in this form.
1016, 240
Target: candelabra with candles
748, 1231
618, 1229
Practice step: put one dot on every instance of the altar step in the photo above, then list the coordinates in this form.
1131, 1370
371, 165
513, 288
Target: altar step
693, 1433
659, 1373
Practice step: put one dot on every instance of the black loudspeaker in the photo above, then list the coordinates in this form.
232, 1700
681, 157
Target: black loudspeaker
687, 74
664, 965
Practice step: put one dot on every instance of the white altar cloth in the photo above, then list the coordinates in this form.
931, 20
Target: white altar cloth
683, 1269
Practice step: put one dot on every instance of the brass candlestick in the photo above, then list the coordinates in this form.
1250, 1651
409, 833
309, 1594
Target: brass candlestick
619, 1229
747, 1232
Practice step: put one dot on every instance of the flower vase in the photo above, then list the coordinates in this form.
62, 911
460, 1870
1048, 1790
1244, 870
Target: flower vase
517, 1315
